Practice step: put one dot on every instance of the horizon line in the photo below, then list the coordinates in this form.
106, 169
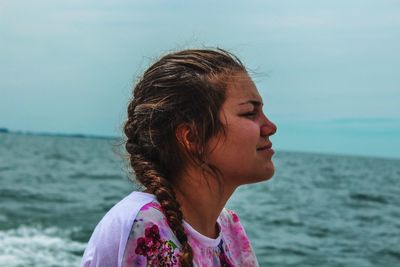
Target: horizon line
4, 130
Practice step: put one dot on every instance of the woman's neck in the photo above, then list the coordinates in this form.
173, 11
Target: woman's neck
202, 198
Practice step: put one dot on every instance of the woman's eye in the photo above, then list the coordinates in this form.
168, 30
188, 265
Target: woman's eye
252, 114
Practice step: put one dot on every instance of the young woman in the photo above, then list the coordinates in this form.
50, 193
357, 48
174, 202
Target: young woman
195, 132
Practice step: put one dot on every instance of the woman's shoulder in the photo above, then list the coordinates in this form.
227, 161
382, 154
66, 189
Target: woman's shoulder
231, 228
235, 239
151, 217
152, 211
151, 241
228, 217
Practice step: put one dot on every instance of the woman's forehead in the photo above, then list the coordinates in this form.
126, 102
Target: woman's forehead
243, 90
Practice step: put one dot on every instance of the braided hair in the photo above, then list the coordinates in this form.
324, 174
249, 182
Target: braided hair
182, 87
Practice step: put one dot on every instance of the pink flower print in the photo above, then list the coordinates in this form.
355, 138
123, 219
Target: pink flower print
141, 248
158, 252
152, 233
223, 259
235, 218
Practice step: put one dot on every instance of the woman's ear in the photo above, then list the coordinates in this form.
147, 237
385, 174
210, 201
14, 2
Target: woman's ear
185, 136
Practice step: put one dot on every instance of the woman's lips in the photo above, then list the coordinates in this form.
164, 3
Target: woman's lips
266, 149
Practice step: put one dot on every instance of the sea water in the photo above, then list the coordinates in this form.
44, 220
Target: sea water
318, 210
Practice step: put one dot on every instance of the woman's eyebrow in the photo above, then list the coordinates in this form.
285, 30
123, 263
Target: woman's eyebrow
255, 103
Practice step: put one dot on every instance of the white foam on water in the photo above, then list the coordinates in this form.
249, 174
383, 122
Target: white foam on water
29, 246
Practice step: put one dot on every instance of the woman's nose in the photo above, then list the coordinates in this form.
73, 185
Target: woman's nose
268, 128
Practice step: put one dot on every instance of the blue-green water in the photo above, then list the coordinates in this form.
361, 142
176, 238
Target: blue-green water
318, 210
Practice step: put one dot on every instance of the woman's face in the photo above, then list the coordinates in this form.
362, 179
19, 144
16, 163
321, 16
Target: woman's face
244, 154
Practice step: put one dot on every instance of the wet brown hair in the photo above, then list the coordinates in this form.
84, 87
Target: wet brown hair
185, 87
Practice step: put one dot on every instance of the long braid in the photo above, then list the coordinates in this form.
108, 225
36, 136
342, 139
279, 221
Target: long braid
149, 176
183, 87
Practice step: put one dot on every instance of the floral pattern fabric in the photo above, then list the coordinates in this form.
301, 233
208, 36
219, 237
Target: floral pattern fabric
151, 242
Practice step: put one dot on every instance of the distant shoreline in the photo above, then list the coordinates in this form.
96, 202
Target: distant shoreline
104, 137
72, 135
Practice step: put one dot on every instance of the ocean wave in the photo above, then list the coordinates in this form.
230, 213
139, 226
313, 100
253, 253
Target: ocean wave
363, 197
29, 246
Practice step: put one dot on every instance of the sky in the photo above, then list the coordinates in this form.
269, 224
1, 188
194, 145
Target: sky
328, 71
